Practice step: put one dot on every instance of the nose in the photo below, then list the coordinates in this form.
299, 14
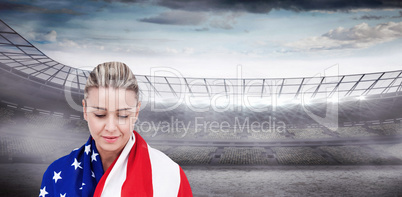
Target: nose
111, 124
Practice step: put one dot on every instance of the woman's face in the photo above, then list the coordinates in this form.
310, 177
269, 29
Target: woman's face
111, 114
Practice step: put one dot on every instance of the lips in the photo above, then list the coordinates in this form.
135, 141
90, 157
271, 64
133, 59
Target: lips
110, 139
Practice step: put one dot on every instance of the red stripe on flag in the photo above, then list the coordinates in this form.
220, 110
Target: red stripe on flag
185, 189
139, 171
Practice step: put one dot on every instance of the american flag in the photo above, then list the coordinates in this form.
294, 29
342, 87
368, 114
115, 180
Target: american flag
140, 170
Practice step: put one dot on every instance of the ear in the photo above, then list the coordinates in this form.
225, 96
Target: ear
84, 109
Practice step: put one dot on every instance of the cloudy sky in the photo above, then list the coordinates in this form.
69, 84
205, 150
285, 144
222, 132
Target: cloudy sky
215, 38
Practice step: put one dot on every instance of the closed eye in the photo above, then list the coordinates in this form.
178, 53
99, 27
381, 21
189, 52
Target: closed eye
101, 116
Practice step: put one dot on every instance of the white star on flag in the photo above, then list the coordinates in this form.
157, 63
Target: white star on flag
93, 156
43, 192
93, 174
76, 164
82, 186
63, 195
56, 176
88, 149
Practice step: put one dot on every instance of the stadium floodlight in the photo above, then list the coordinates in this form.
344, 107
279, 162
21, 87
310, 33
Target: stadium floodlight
361, 97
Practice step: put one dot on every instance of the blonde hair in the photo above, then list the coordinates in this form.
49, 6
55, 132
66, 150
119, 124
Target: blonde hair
113, 75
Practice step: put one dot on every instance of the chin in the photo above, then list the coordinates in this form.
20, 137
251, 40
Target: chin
112, 148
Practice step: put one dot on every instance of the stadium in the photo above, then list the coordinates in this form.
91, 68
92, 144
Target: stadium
306, 136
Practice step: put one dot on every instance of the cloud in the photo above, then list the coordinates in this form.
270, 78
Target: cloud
370, 17
202, 29
374, 17
400, 15
221, 24
125, 1
9, 6
359, 36
225, 21
68, 44
258, 6
177, 17
48, 37
219, 20
188, 50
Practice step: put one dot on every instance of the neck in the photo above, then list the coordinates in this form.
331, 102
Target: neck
107, 158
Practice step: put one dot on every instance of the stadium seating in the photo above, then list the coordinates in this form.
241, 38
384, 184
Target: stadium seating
27, 145
47, 122
308, 133
387, 129
298, 156
222, 135
355, 131
391, 149
243, 156
186, 155
6, 116
166, 133
356, 155
265, 136
33, 147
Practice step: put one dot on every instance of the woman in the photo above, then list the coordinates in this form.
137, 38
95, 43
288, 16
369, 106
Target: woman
115, 161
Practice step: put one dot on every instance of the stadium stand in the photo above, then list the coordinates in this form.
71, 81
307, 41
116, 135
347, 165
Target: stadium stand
361, 155
243, 156
45, 122
298, 156
265, 136
43, 149
6, 115
308, 133
52, 124
391, 149
354, 131
187, 155
165, 133
222, 135
387, 129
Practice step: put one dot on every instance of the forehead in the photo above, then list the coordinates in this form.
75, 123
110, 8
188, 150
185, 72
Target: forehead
111, 98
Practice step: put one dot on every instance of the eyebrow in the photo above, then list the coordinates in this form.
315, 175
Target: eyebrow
106, 109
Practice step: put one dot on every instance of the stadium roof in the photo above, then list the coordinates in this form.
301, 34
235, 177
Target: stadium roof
20, 57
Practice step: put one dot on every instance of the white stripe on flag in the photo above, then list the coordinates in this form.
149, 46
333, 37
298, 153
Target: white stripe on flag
165, 174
